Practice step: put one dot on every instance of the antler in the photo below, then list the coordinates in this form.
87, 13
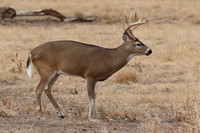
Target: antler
128, 21
135, 24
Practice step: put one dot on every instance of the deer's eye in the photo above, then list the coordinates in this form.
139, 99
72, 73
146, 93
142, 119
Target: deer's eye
138, 45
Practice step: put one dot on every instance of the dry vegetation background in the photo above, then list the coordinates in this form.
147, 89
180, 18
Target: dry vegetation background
158, 93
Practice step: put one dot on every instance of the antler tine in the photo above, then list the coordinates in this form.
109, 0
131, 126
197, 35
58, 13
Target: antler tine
126, 19
122, 23
136, 16
138, 23
130, 17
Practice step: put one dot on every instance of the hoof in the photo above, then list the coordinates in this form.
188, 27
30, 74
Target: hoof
41, 118
94, 120
62, 116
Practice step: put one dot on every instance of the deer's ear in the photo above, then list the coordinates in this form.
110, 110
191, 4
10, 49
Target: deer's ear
125, 37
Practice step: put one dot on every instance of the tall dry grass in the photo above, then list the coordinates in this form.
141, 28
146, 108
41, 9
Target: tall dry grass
164, 93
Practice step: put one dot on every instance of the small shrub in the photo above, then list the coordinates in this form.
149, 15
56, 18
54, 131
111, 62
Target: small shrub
126, 77
168, 59
3, 114
18, 63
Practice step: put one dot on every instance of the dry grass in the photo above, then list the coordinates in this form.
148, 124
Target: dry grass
164, 96
126, 77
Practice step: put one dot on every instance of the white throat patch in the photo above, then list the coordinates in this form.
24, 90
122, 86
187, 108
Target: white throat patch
130, 57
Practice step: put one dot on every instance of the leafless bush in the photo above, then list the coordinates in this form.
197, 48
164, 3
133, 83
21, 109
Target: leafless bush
18, 64
126, 77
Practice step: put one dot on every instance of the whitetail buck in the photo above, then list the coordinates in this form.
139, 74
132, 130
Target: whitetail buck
90, 62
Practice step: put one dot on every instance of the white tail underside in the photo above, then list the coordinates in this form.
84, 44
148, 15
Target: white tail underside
29, 70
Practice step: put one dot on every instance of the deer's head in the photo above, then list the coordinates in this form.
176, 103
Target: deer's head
133, 44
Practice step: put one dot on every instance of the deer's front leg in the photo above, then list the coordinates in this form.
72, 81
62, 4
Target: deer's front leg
91, 93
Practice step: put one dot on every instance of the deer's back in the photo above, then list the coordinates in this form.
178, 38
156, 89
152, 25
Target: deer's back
70, 57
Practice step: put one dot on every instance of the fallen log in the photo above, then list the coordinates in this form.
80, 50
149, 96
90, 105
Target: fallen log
10, 13
45, 12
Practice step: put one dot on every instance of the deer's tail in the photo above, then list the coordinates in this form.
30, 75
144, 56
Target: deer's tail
30, 66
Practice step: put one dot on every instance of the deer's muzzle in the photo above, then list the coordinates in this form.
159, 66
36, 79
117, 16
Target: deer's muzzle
149, 52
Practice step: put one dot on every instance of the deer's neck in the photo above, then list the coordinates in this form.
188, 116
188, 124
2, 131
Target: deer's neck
120, 57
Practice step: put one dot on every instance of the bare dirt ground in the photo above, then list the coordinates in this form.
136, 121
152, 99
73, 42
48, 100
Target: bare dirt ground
158, 93
54, 124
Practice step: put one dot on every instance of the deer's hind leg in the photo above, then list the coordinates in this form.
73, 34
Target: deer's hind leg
47, 91
38, 92
46, 74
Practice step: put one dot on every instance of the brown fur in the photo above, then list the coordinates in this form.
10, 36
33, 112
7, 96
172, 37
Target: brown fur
87, 61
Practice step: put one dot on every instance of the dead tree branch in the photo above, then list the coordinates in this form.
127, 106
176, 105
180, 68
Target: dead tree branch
47, 12
10, 13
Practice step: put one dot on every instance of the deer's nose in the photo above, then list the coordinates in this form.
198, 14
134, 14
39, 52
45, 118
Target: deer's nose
149, 52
